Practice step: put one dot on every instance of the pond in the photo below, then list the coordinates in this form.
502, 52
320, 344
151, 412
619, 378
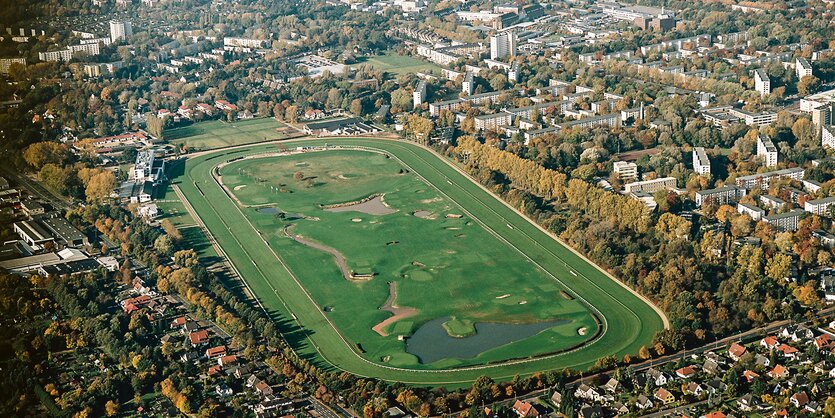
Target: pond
269, 210
431, 342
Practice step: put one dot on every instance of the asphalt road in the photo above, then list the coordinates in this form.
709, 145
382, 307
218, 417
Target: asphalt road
37, 189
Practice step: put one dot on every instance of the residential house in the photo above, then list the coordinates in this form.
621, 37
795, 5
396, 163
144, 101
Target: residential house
215, 352
263, 388
770, 342
588, 393
712, 367
788, 351
686, 372
658, 377
799, 399
612, 385
525, 409
750, 375
747, 403
778, 372
226, 361
643, 402
736, 351
198, 338
694, 389
664, 396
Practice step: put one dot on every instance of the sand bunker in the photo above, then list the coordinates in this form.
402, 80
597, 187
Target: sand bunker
582, 331
523, 302
356, 219
398, 312
503, 296
422, 214
372, 205
337, 256
453, 216
239, 187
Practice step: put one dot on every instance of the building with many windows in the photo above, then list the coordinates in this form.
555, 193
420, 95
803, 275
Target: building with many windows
503, 45
650, 186
786, 221
762, 180
419, 95
802, 68
766, 151
120, 29
625, 170
493, 121
701, 164
754, 212
762, 83
720, 195
822, 207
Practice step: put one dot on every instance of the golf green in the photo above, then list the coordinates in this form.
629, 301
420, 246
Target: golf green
361, 246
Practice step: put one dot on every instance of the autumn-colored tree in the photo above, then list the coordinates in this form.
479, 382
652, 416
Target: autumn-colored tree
41, 153
100, 187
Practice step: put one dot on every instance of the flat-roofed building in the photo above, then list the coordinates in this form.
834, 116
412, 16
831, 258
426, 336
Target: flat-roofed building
33, 233
720, 195
803, 68
828, 136
650, 186
766, 151
762, 83
786, 221
701, 164
772, 202
625, 170
762, 180
65, 232
468, 85
419, 95
754, 212
492, 122
822, 207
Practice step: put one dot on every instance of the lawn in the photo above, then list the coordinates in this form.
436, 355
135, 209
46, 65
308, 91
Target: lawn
443, 263
400, 64
327, 318
218, 134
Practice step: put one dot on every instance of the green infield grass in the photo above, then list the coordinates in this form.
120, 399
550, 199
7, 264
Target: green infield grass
324, 239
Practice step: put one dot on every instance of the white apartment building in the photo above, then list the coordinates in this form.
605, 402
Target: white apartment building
766, 151
754, 212
819, 206
786, 221
419, 95
763, 179
701, 164
62, 55
5, 63
493, 121
650, 186
625, 170
503, 45
246, 42
802, 68
468, 85
762, 83
828, 137
720, 195
120, 29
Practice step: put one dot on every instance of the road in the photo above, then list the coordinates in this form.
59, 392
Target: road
678, 411
323, 409
37, 189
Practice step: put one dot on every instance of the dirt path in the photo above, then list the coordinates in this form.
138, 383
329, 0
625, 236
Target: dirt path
398, 312
337, 256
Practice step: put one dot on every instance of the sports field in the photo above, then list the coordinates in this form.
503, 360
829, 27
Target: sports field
399, 64
217, 133
424, 243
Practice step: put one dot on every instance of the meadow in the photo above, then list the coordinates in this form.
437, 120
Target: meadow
328, 318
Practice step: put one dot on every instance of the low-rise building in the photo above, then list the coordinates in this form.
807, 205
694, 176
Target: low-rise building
650, 186
762, 180
821, 207
625, 170
720, 195
754, 212
786, 221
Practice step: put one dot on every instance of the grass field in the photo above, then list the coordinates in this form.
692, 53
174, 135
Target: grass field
444, 264
217, 134
399, 64
331, 316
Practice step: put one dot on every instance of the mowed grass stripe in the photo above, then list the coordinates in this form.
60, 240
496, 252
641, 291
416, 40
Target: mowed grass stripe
625, 334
